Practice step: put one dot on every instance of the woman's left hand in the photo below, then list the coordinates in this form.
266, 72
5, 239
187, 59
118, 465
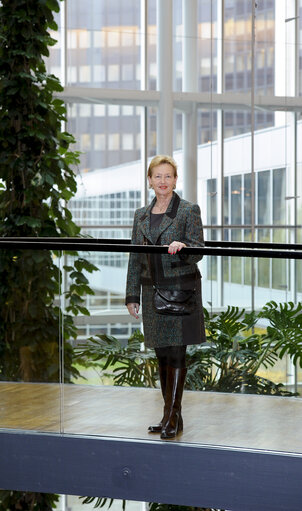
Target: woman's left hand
175, 247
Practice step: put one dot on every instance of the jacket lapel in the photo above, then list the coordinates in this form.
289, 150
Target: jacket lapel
166, 221
169, 215
145, 221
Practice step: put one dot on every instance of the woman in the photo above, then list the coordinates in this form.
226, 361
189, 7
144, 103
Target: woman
175, 223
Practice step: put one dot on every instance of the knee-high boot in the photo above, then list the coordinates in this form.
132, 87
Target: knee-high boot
173, 423
156, 428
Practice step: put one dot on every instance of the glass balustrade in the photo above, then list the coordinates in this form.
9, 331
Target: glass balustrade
73, 360
32, 341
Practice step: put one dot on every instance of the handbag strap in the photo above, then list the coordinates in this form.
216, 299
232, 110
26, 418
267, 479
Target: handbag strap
146, 242
155, 284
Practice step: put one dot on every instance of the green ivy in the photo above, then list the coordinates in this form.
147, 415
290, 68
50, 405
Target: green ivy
37, 179
21, 501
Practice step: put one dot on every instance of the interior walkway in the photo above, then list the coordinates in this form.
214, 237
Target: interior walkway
265, 423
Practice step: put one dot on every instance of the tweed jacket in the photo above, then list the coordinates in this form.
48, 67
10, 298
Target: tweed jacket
181, 222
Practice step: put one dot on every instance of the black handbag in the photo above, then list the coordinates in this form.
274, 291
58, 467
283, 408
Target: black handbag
175, 302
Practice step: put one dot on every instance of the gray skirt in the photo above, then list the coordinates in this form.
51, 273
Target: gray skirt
167, 330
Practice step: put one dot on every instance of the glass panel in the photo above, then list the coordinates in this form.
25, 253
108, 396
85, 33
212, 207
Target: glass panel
249, 263
104, 44
109, 209
212, 201
102, 372
299, 378
237, 161
106, 135
264, 198
279, 193
177, 43
178, 133
236, 200
299, 229
208, 170
247, 191
108, 356
31, 346
54, 61
211, 262
263, 274
280, 267
226, 202
206, 127
236, 262
152, 131
152, 44
237, 60
265, 48
207, 45
226, 269
300, 49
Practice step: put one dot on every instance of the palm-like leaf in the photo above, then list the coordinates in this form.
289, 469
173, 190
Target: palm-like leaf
129, 365
227, 363
284, 334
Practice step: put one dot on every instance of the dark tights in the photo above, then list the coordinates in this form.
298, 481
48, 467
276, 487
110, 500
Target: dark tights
174, 356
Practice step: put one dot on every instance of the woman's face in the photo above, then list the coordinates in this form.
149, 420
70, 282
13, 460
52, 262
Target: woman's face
163, 180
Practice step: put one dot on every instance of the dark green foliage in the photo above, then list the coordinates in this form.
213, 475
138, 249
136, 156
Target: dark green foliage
154, 506
228, 363
36, 180
234, 353
284, 332
35, 161
101, 502
130, 365
20, 501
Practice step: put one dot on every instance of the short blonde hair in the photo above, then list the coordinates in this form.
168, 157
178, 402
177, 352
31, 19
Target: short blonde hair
158, 160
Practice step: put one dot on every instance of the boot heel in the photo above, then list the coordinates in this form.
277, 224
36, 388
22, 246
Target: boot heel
172, 428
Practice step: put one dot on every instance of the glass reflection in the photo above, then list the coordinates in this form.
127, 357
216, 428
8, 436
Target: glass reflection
104, 44
108, 357
31, 340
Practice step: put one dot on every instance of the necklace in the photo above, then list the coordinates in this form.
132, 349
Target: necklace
161, 209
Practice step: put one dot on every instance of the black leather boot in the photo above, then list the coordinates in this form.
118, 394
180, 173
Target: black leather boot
173, 423
156, 428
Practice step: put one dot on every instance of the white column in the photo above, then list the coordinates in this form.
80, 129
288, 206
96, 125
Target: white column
286, 84
165, 76
190, 80
285, 51
290, 84
220, 143
144, 109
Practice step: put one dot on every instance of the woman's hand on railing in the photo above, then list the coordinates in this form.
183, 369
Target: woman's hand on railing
175, 246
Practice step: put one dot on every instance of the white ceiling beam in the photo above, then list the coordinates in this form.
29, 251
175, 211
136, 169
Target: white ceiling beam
109, 96
181, 100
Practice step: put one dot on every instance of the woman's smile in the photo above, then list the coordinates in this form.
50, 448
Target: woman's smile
163, 180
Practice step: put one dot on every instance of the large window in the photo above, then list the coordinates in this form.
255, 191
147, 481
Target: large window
244, 61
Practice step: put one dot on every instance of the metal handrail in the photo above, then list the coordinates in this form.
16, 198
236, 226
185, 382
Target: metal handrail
212, 248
